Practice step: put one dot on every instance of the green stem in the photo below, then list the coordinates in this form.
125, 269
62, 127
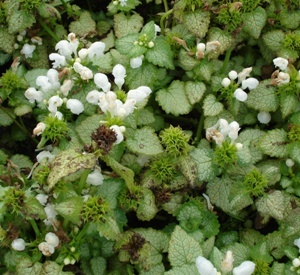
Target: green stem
162, 19
82, 181
35, 227
226, 60
48, 30
82, 232
199, 129
20, 126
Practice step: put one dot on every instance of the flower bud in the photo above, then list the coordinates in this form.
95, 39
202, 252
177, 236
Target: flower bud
227, 263
225, 82
102, 82
95, 178
75, 106
18, 244
28, 50
240, 95
289, 163
205, 267
296, 262
281, 63
264, 117
245, 268
233, 75
52, 239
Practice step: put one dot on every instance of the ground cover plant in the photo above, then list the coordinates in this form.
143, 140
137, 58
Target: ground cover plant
149, 137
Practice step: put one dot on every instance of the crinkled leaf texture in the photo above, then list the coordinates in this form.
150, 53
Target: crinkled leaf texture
147, 208
173, 99
124, 25
19, 21
273, 143
197, 22
69, 162
145, 141
187, 269
211, 106
183, 249
263, 98
70, 209
84, 25
255, 21
273, 39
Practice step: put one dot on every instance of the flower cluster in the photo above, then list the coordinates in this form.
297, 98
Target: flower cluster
27, 49
280, 77
205, 267
203, 49
236, 84
223, 129
51, 242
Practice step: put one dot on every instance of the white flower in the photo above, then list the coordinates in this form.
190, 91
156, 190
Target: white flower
223, 127
227, 263
283, 78
157, 29
75, 106
281, 63
239, 146
52, 239
18, 244
95, 178
44, 155
240, 95
233, 75
289, 163
245, 268
39, 128
296, 262
50, 213
33, 95
129, 106
46, 249
83, 53
59, 60
73, 45
96, 50
297, 243
225, 82
36, 39
123, 2
201, 47
52, 75
119, 72
63, 47
54, 102
264, 117
136, 62
44, 83
85, 72
139, 94
234, 127
250, 83
58, 115
42, 198
28, 50
93, 97
244, 74
212, 46
66, 87
119, 130
205, 267
102, 82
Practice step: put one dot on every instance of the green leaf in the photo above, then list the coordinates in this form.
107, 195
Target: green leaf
187, 269
20, 20
34, 208
211, 106
104, 63
147, 208
124, 25
48, 11
32, 75
22, 110
145, 141
263, 98
161, 54
98, 265
185, 61
273, 39
189, 216
273, 143
290, 226
173, 99
87, 126
84, 25
146, 75
288, 104
273, 204
27, 267
216, 258
261, 252
277, 269
21, 161
203, 158
7, 41
187, 166
124, 172
240, 252
7, 116
126, 45
183, 249
155, 270
204, 70
69, 162
70, 209
254, 22
53, 268
109, 229
194, 91
197, 22
145, 116
289, 19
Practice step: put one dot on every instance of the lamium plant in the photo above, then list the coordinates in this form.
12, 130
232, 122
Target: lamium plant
150, 137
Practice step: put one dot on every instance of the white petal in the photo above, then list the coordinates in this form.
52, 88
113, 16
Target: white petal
250, 83
102, 82
245, 268
205, 267
96, 50
18, 244
93, 97
119, 72
264, 117
281, 63
52, 239
119, 131
95, 178
240, 95
75, 106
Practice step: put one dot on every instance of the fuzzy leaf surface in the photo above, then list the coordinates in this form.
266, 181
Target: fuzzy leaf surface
124, 25
254, 22
173, 99
211, 106
83, 25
